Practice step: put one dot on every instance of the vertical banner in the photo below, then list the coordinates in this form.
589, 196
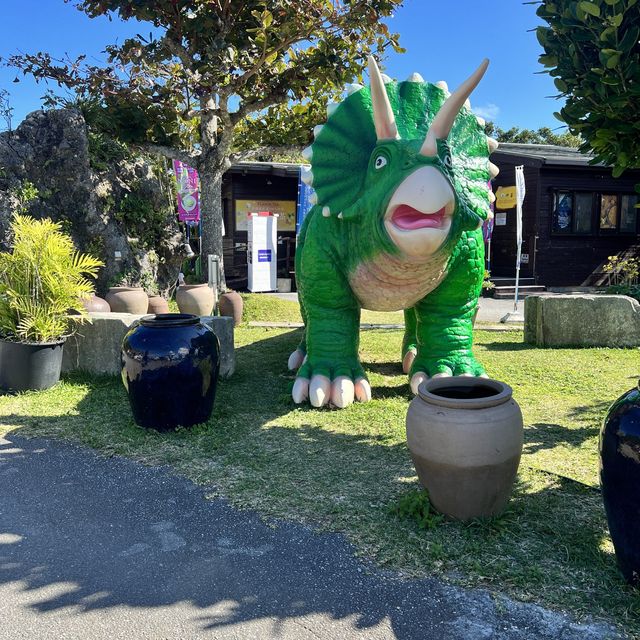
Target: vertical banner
520, 193
188, 195
304, 201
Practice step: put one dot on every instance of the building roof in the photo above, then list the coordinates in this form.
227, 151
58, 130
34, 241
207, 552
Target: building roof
547, 154
288, 169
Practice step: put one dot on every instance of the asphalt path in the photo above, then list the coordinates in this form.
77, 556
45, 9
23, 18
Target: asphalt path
94, 547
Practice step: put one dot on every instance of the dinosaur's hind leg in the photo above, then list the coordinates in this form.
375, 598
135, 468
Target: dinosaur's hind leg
409, 343
297, 358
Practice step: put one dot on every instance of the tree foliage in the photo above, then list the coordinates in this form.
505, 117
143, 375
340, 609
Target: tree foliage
592, 50
543, 135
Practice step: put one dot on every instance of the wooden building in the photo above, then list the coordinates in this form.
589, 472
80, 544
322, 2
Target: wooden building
253, 187
575, 216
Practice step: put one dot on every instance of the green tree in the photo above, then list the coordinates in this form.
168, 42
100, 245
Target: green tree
592, 50
184, 89
543, 135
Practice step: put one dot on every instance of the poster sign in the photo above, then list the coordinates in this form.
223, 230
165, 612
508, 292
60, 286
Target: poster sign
284, 209
264, 255
304, 204
506, 198
501, 218
188, 195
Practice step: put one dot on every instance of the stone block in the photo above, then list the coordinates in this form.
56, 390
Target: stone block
582, 321
222, 326
96, 346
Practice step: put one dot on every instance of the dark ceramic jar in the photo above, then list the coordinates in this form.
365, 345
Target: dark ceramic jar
620, 480
170, 365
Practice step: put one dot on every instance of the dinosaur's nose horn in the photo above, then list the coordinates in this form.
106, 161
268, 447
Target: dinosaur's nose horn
442, 123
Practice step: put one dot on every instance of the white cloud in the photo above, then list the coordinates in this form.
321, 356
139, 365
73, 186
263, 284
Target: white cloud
488, 111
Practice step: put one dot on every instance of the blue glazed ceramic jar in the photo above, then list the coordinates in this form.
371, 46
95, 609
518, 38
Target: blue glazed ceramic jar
170, 365
620, 480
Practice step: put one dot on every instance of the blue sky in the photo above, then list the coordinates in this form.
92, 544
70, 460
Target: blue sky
444, 41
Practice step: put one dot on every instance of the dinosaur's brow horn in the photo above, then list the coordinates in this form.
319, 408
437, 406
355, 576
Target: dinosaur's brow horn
442, 123
383, 118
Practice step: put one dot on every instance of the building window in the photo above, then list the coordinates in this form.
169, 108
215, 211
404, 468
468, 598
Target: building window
584, 213
563, 212
628, 214
587, 213
609, 212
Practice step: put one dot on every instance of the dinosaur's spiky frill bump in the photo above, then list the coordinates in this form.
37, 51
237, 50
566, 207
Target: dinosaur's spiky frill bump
306, 175
353, 88
342, 149
415, 77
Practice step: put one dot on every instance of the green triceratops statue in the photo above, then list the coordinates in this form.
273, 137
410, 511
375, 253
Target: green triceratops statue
401, 177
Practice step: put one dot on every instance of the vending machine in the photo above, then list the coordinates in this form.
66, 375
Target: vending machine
262, 251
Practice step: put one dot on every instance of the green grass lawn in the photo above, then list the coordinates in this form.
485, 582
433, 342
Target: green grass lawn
349, 470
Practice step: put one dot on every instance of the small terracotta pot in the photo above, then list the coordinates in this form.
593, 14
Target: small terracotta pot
196, 299
96, 304
465, 437
231, 304
128, 300
157, 304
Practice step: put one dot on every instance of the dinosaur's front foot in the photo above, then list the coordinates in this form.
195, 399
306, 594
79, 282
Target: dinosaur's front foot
424, 368
337, 385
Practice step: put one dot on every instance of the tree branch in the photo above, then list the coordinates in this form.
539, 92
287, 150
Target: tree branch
268, 150
278, 95
193, 160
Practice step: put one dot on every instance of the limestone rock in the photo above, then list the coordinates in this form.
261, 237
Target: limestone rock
52, 150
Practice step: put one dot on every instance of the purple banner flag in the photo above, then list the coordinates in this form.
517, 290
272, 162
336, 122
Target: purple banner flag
188, 195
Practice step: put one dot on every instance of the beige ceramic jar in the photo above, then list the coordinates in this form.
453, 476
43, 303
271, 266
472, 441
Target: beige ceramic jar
128, 300
465, 437
197, 299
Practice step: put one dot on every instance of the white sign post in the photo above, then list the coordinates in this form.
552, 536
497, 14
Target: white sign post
262, 248
520, 193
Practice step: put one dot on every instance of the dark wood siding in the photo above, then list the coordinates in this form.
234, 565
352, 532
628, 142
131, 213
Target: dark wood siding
503, 241
569, 260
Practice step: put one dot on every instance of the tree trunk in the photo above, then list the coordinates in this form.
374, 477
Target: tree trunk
211, 212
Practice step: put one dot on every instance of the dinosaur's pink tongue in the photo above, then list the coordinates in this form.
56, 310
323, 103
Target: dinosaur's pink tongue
408, 218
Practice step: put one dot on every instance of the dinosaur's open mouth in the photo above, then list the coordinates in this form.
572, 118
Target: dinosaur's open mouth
407, 218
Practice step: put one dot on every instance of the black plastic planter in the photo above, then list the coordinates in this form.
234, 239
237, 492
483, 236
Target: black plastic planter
620, 480
170, 365
26, 366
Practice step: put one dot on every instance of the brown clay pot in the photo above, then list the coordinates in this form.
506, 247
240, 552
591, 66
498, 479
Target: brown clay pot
465, 437
231, 304
157, 304
128, 300
96, 305
197, 299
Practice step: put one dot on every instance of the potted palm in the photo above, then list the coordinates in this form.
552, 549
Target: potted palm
43, 280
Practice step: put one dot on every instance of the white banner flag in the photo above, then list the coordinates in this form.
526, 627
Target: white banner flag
520, 193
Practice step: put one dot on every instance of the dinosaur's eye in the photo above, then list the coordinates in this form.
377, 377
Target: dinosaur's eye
380, 162
447, 161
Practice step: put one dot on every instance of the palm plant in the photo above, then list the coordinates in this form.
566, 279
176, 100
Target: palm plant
42, 281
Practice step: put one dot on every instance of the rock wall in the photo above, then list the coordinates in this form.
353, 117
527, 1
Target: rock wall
119, 209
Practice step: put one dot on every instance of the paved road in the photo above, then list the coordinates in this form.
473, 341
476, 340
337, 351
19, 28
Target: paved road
94, 548
491, 310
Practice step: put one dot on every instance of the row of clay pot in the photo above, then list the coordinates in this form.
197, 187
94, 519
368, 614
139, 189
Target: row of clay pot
196, 299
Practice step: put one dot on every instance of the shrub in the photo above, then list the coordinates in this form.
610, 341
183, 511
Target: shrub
42, 280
